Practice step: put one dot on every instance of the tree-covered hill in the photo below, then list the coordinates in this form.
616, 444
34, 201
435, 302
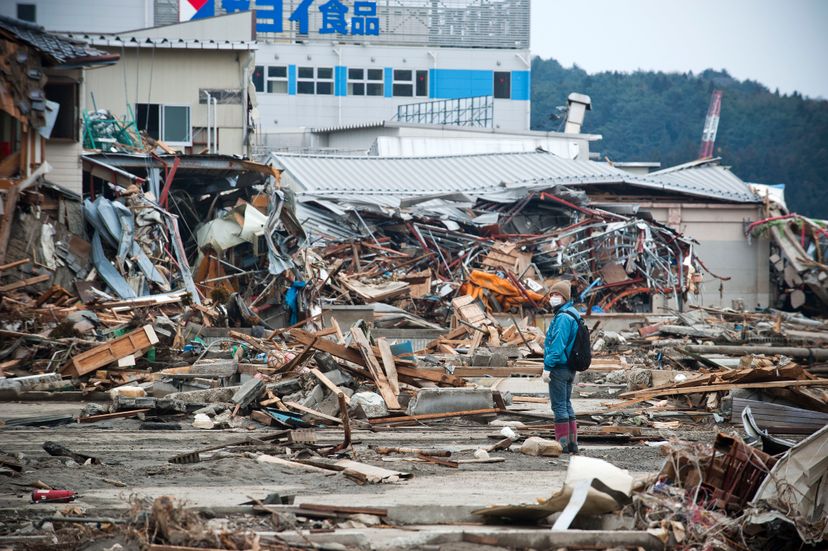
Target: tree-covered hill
766, 137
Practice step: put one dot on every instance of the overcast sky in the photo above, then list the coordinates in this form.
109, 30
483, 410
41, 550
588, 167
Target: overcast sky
780, 43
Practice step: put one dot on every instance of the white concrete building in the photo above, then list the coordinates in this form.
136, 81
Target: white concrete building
167, 75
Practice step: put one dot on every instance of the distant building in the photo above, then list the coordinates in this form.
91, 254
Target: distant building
167, 75
324, 63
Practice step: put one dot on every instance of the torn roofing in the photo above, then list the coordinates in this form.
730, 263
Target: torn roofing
386, 181
61, 51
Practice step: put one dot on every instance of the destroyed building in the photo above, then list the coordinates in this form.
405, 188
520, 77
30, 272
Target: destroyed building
330, 351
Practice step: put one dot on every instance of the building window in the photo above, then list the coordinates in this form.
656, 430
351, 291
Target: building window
422, 84
502, 85
403, 82
66, 95
169, 123
365, 82
317, 81
258, 78
277, 80
27, 12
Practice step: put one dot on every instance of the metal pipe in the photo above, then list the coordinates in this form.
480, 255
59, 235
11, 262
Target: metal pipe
209, 135
818, 354
215, 125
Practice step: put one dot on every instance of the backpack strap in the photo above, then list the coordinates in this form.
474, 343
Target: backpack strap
573, 316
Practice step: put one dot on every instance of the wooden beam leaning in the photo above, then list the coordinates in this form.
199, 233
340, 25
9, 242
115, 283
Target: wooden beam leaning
374, 368
390, 366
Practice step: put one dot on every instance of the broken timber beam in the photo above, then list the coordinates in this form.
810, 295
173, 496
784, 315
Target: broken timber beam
328, 383
374, 368
650, 393
25, 283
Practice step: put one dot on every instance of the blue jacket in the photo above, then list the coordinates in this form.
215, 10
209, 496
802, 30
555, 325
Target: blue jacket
560, 337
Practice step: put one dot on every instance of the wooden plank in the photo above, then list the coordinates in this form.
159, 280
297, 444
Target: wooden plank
110, 352
293, 464
438, 461
328, 383
373, 366
427, 416
309, 411
318, 507
648, 393
497, 371
389, 364
116, 415
340, 351
14, 264
340, 338
25, 283
430, 375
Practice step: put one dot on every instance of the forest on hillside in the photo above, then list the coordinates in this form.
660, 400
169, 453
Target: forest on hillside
764, 136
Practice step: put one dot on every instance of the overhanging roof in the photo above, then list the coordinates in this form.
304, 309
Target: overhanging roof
60, 51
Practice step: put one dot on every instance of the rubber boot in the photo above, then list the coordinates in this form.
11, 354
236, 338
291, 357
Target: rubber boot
562, 435
573, 436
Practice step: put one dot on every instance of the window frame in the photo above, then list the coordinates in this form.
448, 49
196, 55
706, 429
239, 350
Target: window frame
417, 74
163, 108
315, 81
269, 79
365, 81
253, 79
508, 85
395, 82
162, 122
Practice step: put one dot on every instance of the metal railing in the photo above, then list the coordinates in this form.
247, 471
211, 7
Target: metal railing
476, 111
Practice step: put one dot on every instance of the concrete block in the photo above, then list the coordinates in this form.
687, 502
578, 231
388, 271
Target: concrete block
248, 392
481, 358
46, 381
206, 396
160, 389
286, 386
498, 359
370, 403
314, 397
445, 400
329, 406
338, 378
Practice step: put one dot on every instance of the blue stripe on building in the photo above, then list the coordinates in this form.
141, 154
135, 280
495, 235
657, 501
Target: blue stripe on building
389, 82
460, 83
521, 85
292, 80
340, 80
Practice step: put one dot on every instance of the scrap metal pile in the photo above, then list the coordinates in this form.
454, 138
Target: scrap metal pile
505, 255
798, 259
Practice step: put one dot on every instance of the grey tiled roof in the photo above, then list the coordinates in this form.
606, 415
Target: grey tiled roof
59, 50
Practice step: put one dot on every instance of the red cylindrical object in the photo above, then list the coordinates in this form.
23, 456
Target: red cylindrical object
53, 496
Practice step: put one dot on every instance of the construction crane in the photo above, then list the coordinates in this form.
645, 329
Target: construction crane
711, 125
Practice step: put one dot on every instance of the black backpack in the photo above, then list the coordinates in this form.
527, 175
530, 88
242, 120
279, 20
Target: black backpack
581, 354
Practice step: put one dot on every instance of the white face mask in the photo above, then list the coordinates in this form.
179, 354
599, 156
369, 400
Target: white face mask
555, 301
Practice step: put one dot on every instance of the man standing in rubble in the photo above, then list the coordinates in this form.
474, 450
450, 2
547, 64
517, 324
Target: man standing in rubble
560, 337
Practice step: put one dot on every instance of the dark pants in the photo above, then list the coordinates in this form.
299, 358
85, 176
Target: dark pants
561, 380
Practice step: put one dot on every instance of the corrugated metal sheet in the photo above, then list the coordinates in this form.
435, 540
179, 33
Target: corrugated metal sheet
708, 179
401, 177
384, 181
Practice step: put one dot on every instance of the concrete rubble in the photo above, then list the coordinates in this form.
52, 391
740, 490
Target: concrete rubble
254, 379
